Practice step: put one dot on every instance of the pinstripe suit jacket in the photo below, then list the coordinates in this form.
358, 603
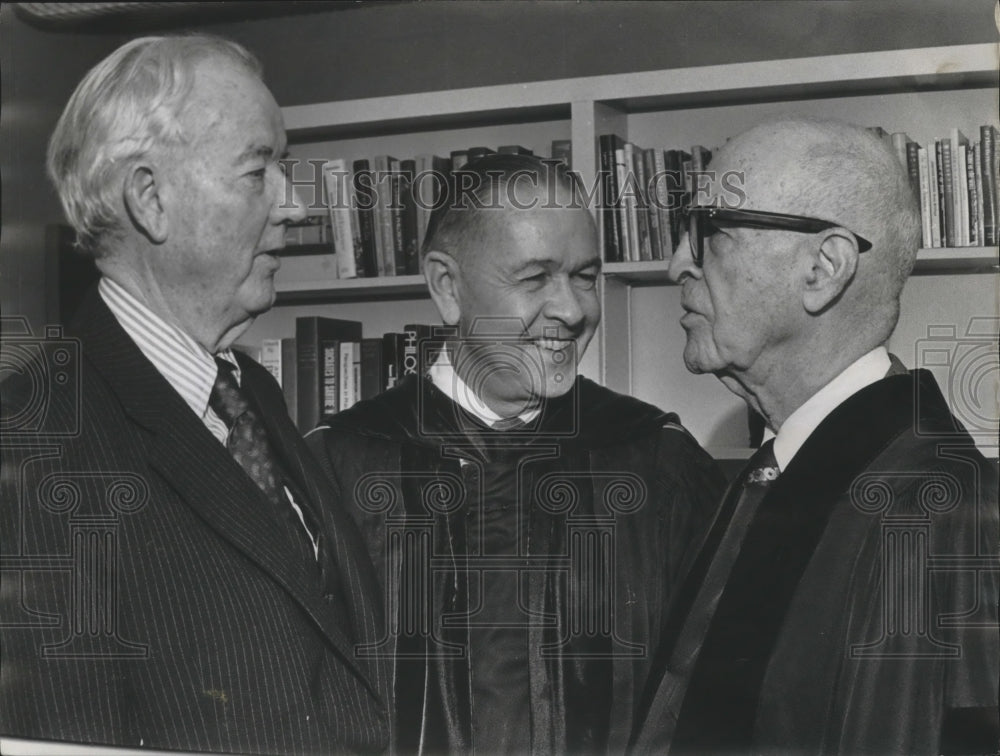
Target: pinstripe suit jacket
149, 597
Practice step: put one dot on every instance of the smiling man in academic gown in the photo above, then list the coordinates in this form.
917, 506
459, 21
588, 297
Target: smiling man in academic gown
846, 599
529, 526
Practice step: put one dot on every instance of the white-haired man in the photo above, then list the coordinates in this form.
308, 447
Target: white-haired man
180, 579
816, 620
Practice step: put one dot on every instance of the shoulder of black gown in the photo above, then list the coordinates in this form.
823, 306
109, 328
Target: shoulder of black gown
607, 418
393, 415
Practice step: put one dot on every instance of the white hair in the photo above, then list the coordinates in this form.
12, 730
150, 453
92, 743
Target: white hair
126, 105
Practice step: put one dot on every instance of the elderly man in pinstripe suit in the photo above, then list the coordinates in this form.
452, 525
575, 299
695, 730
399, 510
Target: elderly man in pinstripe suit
175, 574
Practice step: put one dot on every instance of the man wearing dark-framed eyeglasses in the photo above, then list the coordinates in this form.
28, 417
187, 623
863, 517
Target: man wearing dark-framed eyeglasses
811, 622
703, 221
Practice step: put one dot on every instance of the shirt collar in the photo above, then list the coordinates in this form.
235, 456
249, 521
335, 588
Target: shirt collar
186, 365
793, 433
444, 377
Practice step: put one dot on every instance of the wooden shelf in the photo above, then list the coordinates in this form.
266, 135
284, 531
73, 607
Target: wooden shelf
919, 69
929, 262
352, 290
956, 260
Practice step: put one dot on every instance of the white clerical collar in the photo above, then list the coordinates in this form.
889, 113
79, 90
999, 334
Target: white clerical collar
802, 422
443, 375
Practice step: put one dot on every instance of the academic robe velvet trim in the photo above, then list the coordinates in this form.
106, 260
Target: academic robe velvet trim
828, 671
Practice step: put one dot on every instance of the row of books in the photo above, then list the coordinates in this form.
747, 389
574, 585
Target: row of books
328, 365
379, 209
956, 182
642, 193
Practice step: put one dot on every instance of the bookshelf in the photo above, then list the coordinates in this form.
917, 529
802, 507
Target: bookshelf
924, 92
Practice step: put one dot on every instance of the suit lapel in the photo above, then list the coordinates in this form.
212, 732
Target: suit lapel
344, 542
198, 468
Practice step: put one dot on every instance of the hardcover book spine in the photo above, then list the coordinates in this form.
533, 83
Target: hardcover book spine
346, 373
610, 220
934, 189
372, 371
397, 209
270, 357
331, 370
913, 166
989, 194
383, 216
289, 377
364, 199
626, 207
337, 179
638, 169
410, 241
392, 358
925, 198
652, 213
307, 358
948, 193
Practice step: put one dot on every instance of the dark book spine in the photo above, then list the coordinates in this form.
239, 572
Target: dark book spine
396, 208
973, 195
330, 381
392, 358
372, 373
611, 223
289, 376
411, 244
913, 167
636, 165
383, 215
948, 174
986, 152
648, 188
413, 353
674, 178
364, 196
307, 358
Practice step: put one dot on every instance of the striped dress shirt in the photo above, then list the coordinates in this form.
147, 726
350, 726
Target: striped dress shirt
187, 365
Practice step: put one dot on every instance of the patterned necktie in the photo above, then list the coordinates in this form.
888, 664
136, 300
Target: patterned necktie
693, 609
749, 491
251, 448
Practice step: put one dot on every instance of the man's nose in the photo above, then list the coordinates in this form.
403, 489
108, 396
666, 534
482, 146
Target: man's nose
682, 263
564, 303
289, 207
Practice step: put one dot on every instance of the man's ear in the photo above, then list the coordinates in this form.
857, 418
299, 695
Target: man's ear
143, 202
444, 282
831, 268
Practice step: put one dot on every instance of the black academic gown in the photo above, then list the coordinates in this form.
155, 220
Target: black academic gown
613, 497
865, 619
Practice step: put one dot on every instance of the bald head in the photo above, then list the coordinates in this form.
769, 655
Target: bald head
842, 173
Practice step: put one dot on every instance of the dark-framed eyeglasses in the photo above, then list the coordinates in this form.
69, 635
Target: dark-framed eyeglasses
703, 221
